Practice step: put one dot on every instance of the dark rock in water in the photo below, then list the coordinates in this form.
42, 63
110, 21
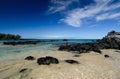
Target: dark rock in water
47, 60
72, 61
106, 56
65, 40
17, 51
21, 43
29, 58
76, 55
23, 70
81, 48
67, 47
111, 41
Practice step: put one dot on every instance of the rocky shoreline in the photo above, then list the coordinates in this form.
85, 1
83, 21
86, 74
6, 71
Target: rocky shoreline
62, 64
111, 41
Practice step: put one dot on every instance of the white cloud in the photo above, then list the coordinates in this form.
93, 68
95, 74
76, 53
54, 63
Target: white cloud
51, 36
57, 37
60, 5
75, 17
100, 10
107, 16
112, 7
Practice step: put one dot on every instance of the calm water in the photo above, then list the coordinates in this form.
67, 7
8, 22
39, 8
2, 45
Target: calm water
8, 51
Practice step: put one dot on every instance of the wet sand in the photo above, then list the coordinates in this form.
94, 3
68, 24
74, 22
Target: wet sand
92, 66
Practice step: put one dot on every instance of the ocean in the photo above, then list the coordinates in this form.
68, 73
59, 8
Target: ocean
10, 52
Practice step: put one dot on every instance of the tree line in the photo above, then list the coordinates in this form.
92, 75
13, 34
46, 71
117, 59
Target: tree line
9, 36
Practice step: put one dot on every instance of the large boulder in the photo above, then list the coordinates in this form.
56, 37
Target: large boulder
47, 60
52, 60
43, 61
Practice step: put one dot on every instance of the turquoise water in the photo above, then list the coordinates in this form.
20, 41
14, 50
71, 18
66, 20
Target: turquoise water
8, 51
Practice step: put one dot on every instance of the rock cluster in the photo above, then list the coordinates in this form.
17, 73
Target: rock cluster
48, 60
20, 43
81, 48
111, 41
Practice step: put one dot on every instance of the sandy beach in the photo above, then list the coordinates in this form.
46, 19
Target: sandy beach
92, 66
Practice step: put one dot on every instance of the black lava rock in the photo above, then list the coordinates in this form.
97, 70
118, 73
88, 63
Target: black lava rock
29, 58
52, 59
21, 43
110, 41
72, 61
76, 55
65, 40
43, 61
106, 56
23, 70
47, 60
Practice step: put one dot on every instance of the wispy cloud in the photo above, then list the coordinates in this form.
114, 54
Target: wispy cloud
76, 16
99, 10
108, 16
55, 37
60, 5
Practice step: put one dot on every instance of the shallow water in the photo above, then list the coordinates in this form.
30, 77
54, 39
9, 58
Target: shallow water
9, 51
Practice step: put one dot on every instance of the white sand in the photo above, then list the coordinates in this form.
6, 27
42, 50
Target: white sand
92, 66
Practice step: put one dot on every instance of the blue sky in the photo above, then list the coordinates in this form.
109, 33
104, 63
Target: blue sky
59, 18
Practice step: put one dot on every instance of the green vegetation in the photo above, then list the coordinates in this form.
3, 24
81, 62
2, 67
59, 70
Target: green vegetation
9, 37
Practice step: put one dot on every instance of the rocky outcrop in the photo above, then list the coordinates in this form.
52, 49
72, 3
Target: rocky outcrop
113, 34
111, 41
81, 48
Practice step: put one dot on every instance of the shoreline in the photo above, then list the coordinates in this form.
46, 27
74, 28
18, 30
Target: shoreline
97, 60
